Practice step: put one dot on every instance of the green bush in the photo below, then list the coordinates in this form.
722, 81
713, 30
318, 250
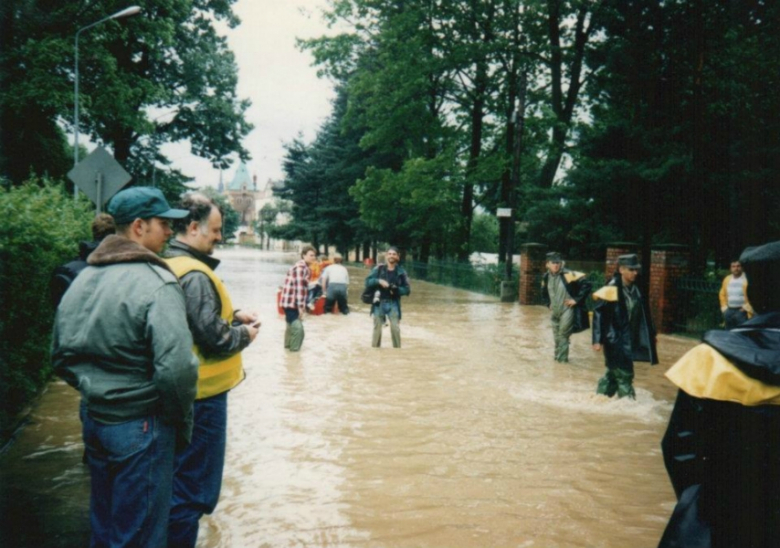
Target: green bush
40, 229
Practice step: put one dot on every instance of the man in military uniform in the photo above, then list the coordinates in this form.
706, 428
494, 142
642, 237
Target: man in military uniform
565, 293
622, 327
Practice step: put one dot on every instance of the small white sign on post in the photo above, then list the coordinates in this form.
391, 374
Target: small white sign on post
504, 212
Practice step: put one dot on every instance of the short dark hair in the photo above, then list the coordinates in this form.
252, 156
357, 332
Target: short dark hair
199, 205
305, 249
103, 225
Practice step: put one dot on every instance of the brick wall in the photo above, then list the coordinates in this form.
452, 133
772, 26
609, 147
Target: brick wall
667, 264
532, 261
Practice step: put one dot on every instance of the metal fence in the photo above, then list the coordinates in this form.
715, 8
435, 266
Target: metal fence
485, 279
697, 305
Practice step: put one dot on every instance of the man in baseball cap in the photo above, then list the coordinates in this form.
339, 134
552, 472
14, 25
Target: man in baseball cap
121, 338
142, 202
145, 213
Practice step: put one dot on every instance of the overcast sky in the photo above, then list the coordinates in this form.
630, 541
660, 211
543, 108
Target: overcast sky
287, 97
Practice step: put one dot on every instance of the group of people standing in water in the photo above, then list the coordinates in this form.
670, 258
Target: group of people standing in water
722, 444
154, 346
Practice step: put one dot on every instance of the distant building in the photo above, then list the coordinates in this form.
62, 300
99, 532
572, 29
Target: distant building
247, 199
243, 195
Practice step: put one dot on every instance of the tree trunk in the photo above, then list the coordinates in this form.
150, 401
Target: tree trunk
563, 108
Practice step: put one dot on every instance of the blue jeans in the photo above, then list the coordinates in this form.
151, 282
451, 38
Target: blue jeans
336, 293
131, 465
734, 317
198, 476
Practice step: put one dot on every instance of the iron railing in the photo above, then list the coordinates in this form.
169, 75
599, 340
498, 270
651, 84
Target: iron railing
698, 309
485, 279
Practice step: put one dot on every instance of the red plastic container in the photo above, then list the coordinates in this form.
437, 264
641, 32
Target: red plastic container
319, 307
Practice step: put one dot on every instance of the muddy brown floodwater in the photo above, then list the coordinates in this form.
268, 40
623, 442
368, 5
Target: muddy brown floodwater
469, 436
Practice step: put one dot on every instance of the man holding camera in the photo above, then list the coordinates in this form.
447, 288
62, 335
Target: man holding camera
391, 282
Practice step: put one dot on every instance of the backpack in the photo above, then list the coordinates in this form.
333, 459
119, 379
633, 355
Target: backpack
368, 294
62, 277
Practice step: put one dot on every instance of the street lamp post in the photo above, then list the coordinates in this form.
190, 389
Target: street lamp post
127, 12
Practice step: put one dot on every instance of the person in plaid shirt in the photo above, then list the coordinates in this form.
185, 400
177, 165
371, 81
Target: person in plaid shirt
293, 302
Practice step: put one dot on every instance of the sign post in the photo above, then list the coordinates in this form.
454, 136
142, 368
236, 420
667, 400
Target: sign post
99, 176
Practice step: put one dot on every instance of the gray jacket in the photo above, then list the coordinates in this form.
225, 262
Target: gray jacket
214, 336
121, 338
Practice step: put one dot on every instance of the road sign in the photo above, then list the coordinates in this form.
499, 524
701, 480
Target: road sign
99, 176
503, 212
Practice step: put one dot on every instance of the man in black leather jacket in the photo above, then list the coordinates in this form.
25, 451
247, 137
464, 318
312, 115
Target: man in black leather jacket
622, 327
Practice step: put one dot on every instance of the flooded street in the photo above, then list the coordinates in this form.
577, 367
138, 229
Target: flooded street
469, 436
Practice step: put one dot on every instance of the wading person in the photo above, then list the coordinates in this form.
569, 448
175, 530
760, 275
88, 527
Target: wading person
121, 338
219, 333
335, 281
622, 327
733, 298
722, 448
391, 283
293, 301
565, 293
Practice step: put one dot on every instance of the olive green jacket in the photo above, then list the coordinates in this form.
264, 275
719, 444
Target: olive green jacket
121, 338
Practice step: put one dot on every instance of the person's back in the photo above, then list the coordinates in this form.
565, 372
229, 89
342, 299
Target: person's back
335, 281
103, 225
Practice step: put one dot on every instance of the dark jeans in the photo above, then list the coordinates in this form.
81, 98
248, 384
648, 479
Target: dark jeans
131, 466
336, 293
734, 317
198, 475
291, 314
313, 294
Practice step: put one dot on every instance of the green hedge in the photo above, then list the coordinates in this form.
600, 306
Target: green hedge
40, 227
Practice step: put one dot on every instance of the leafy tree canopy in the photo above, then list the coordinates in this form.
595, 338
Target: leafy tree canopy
165, 75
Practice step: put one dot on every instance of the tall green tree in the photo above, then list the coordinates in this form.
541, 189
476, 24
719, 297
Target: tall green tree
682, 147
317, 180
163, 76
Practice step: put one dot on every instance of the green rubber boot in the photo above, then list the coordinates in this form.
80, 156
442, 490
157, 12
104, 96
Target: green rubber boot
625, 387
296, 335
607, 385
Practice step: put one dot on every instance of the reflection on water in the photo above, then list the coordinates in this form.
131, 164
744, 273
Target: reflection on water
470, 435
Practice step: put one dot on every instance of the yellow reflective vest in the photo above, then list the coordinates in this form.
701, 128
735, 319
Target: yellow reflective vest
219, 375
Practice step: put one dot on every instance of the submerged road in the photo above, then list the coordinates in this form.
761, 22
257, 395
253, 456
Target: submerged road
471, 435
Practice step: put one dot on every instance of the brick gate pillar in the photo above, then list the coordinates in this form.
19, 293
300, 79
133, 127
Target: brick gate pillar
615, 250
668, 263
532, 260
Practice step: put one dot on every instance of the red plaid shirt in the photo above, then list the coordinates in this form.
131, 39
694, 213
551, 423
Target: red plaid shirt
296, 286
